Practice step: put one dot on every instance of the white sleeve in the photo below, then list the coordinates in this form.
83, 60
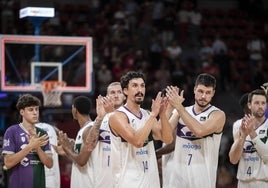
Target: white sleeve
261, 147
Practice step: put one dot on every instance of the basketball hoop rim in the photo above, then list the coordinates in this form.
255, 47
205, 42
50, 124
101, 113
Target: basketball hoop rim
52, 85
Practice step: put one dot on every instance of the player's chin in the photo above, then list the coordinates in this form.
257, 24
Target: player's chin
35, 120
139, 101
203, 104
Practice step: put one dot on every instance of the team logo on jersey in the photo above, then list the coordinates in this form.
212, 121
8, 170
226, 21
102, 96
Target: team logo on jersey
23, 139
203, 118
133, 124
142, 151
25, 162
6, 142
105, 124
185, 133
104, 136
249, 147
264, 139
77, 148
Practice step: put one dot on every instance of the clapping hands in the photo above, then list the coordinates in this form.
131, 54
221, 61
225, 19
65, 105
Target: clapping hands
36, 141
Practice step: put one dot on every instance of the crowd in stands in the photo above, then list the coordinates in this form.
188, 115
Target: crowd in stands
149, 35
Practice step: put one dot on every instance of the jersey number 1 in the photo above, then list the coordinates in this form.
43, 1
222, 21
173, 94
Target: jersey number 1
145, 165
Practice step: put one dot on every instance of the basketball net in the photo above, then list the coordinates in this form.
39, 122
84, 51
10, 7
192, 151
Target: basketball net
51, 91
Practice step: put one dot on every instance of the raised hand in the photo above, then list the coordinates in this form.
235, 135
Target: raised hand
104, 105
64, 141
175, 98
59, 149
156, 104
247, 126
36, 141
163, 106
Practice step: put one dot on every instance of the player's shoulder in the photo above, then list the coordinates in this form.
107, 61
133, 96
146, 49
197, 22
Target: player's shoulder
12, 129
216, 110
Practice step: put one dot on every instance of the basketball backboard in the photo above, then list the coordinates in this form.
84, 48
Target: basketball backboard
28, 60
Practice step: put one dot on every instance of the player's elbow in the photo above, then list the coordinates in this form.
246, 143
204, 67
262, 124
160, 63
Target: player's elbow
138, 144
7, 165
49, 163
81, 163
168, 140
199, 134
233, 160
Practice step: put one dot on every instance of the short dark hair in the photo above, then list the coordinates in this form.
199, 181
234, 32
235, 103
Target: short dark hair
243, 101
206, 80
129, 76
82, 104
27, 100
256, 92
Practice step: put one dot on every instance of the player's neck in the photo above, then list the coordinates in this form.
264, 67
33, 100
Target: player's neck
259, 121
83, 120
198, 109
27, 126
134, 108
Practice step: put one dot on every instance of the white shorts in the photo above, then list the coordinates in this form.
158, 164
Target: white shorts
252, 184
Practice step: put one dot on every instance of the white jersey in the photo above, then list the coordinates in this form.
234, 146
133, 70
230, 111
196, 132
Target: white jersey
80, 176
195, 160
101, 157
167, 167
134, 167
236, 126
251, 167
52, 174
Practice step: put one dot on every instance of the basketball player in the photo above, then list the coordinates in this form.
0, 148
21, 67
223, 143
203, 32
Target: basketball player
199, 130
80, 151
250, 147
102, 152
244, 105
26, 148
133, 129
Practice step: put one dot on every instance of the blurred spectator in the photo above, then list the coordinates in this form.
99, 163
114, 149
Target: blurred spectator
169, 20
173, 51
223, 61
157, 14
178, 76
206, 50
211, 68
141, 61
131, 10
162, 75
255, 47
117, 70
219, 46
128, 58
194, 30
104, 78
183, 20
156, 50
